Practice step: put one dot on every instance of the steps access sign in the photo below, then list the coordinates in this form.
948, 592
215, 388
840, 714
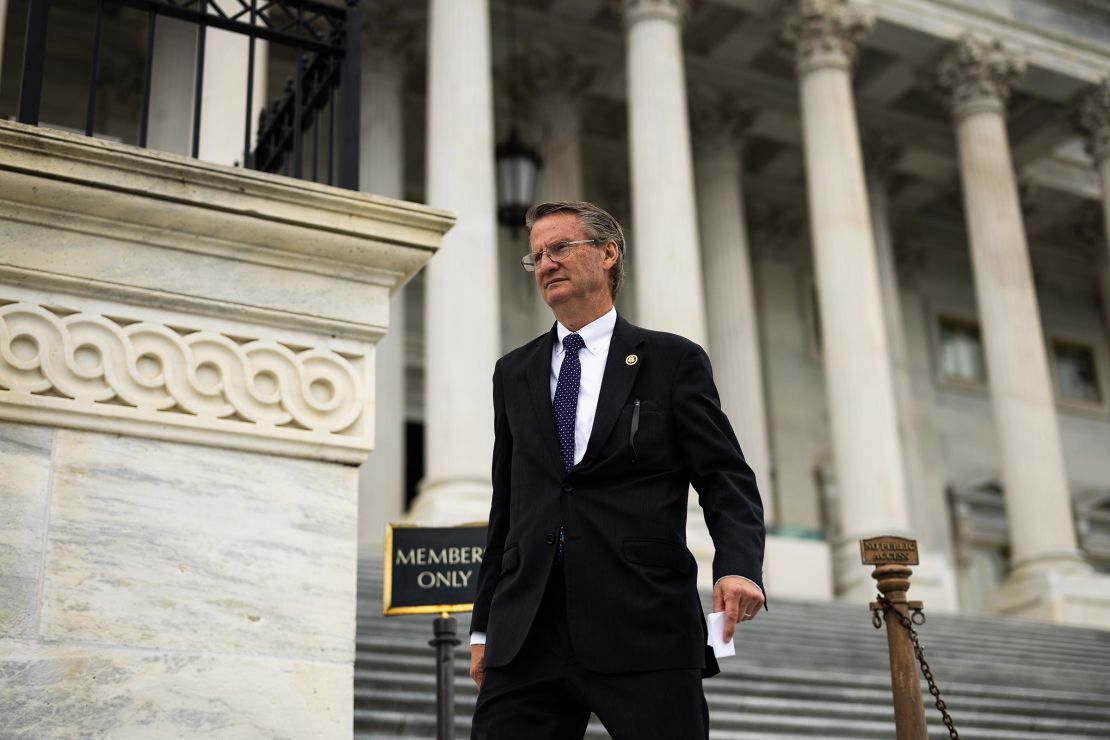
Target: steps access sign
432, 570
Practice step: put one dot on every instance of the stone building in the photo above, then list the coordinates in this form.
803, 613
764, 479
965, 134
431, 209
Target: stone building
884, 220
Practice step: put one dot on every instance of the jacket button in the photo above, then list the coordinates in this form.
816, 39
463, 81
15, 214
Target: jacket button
568, 489
549, 539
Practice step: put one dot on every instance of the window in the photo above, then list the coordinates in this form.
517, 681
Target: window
1076, 378
961, 351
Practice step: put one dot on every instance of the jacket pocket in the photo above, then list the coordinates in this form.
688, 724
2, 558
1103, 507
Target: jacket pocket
657, 553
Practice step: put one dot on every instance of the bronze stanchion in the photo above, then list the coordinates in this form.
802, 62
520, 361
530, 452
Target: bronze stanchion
892, 557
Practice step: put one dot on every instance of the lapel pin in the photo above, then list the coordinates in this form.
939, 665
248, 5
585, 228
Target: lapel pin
631, 360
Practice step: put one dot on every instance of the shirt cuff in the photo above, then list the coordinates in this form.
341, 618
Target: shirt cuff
477, 638
749, 580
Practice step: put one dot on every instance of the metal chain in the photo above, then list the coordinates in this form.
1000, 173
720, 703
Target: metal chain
888, 607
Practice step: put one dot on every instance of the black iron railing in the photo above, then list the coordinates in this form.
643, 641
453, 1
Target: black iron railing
321, 97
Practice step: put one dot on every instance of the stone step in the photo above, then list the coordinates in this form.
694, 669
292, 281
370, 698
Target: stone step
369, 683
805, 670
757, 708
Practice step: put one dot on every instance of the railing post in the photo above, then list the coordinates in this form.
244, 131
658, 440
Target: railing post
444, 642
34, 62
350, 84
892, 557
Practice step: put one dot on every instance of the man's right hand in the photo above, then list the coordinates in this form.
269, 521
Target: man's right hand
478, 663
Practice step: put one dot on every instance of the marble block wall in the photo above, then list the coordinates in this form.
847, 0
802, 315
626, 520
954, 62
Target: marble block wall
160, 589
187, 357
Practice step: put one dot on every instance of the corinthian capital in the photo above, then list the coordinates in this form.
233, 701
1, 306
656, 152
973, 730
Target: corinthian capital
671, 10
715, 114
1093, 117
390, 32
824, 33
976, 76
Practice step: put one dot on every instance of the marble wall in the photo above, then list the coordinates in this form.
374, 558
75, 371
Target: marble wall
160, 589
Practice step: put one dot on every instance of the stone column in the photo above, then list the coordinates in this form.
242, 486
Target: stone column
975, 78
172, 86
664, 237
223, 97
1094, 119
381, 171
459, 366
862, 409
3, 22
555, 80
729, 290
934, 579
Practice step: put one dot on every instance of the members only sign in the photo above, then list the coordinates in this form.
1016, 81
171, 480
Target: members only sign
430, 570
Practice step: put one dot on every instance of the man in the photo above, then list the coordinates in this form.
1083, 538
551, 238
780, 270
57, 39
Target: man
587, 596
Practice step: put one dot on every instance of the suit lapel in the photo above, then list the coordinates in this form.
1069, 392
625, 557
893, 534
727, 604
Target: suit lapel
539, 386
616, 384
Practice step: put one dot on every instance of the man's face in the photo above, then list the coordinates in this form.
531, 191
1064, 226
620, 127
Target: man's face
583, 275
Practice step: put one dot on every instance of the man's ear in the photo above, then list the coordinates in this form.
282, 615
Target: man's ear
611, 253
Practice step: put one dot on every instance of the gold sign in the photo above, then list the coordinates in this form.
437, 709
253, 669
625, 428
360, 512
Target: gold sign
888, 551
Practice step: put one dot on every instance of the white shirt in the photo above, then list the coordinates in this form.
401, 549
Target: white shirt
596, 335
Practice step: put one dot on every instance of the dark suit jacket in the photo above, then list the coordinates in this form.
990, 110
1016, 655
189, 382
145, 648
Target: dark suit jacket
632, 599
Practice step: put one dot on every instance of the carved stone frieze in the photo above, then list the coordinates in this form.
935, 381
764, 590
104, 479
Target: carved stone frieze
824, 33
976, 75
119, 370
1093, 118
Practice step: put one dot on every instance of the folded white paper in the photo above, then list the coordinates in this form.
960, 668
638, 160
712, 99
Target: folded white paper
716, 623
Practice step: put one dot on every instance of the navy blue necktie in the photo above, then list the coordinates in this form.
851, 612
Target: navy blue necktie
566, 408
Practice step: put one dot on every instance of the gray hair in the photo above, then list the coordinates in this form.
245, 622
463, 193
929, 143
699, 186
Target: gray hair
598, 224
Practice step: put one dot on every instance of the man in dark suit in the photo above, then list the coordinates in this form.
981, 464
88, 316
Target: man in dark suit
587, 594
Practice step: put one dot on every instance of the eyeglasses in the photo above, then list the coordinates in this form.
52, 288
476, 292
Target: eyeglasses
557, 252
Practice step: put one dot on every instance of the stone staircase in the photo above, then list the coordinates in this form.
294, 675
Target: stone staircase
803, 670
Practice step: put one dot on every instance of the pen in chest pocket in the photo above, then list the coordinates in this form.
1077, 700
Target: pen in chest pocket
635, 427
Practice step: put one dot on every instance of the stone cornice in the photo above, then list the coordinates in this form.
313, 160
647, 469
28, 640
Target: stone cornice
1093, 119
824, 33
674, 11
976, 76
145, 206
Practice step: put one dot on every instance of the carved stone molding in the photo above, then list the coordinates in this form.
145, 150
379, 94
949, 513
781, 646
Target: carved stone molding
1093, 118
976, 75
824, 33
123, 369
670, 10
715, 114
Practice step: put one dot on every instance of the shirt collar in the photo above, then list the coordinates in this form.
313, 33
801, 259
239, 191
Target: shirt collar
594, 334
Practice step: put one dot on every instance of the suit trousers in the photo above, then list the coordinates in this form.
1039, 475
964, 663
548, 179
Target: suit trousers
545, 694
